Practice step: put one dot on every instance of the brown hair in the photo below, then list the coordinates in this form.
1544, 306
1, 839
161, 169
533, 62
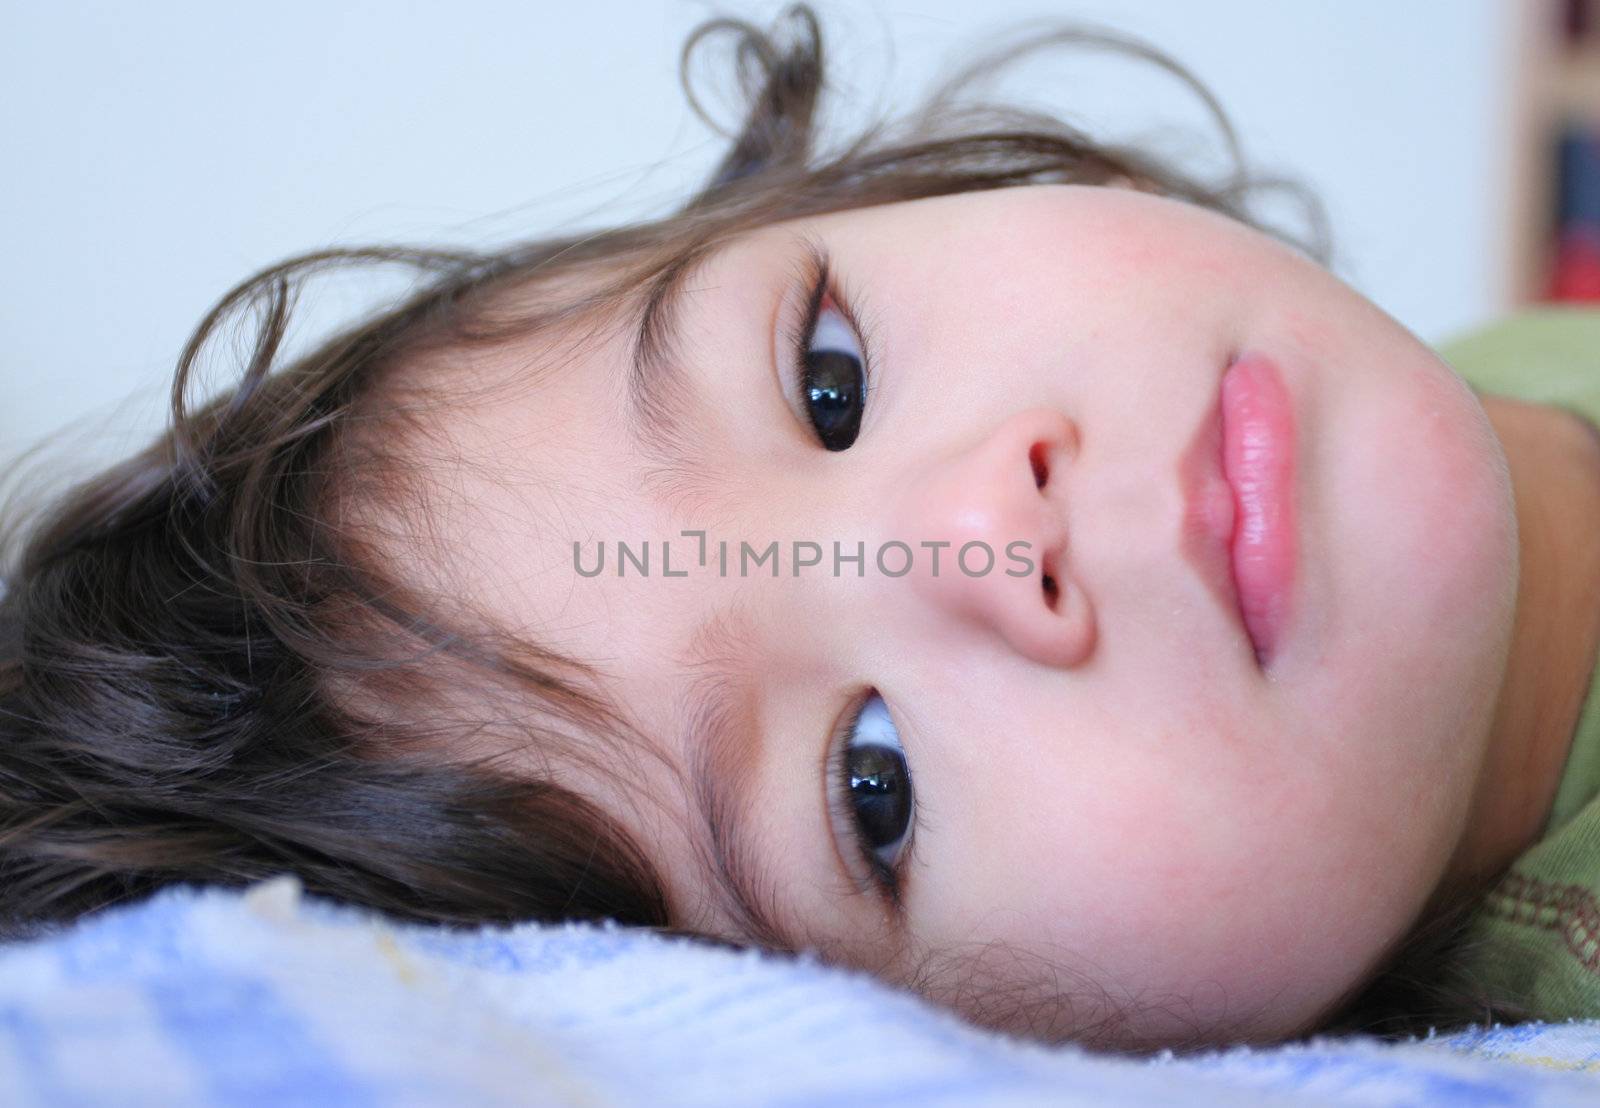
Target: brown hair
208, 674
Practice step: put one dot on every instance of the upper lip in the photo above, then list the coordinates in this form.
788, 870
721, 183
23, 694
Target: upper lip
1206, 491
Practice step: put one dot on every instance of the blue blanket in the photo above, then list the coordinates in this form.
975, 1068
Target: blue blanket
266, 997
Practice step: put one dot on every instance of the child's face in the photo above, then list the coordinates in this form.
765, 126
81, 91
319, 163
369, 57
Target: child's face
1106, 780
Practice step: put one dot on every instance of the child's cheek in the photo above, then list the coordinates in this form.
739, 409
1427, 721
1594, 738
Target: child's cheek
1172, 896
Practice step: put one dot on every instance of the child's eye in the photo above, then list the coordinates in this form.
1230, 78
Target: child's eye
833, 380
871, 784
830, 366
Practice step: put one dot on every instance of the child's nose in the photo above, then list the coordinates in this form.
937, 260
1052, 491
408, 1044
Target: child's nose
989, 529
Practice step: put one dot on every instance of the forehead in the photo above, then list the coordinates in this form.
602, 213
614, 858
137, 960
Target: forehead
528, 458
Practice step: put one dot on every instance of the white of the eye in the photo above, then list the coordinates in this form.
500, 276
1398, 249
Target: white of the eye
833, 333
874, 727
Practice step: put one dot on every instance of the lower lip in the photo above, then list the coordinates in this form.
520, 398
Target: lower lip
1258, 460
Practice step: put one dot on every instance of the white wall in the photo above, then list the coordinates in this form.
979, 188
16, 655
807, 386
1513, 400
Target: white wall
158, 152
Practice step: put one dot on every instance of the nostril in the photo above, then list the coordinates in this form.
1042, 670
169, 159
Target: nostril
1051, 592
1038, 458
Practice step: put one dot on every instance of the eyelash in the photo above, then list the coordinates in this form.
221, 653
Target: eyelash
842, 814
821, 287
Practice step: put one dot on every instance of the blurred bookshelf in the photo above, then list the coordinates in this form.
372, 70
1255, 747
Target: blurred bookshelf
1554, 252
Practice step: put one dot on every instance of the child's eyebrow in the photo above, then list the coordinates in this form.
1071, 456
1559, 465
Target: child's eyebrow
722, 753
659, 391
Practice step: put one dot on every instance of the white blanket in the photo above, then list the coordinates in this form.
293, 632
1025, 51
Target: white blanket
211, 997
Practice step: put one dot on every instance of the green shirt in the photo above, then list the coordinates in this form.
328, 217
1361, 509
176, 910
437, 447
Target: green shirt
1536, 937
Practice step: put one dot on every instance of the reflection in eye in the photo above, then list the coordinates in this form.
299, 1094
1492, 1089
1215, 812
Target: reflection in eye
875, 786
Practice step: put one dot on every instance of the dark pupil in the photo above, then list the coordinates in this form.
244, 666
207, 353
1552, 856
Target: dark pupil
833, 393
882, 797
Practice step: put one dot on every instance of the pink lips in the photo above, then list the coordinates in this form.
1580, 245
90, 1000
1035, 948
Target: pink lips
1238, 480
1258, 459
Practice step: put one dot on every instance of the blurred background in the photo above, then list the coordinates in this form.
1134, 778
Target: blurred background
160, 152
